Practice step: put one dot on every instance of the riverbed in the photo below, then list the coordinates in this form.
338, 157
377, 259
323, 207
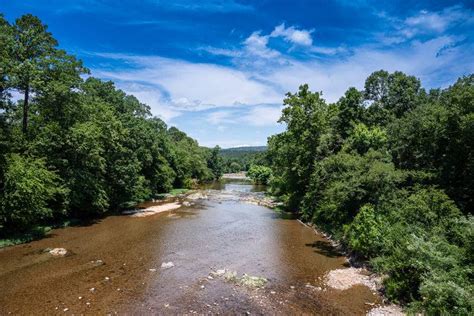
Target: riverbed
120, 264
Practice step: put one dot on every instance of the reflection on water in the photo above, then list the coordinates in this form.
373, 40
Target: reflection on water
234, 185
211, 234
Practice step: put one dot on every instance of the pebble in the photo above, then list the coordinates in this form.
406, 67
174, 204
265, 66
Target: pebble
272, 292
152, 270
106, 278
202, 286
66, 309
92, 289
80, 297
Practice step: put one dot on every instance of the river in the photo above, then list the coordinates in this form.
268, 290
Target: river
114, 265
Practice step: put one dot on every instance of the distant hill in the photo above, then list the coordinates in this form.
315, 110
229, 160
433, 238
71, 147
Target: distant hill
245, 148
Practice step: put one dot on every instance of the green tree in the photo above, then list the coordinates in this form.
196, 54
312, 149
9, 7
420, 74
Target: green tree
29, 194
215, 162
33, 47
294, 151
260, 174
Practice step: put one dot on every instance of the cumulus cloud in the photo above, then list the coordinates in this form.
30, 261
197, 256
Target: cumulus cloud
293, 35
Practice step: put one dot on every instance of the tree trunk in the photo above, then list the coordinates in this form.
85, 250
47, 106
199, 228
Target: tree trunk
25, 109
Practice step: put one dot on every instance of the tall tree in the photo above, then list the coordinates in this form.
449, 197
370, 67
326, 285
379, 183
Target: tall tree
33, 50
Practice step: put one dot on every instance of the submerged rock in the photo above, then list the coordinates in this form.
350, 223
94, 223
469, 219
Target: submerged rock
58, 252
97, 263
245, 280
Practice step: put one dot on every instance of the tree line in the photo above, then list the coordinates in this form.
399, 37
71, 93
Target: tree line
74, 147
389, 172
242, 158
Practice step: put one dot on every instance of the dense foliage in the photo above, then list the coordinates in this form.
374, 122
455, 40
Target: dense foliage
389, 172
75, 147
242, 158
260, 174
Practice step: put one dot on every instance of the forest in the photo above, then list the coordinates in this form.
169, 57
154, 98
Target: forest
242, 158
389, 173
73, 146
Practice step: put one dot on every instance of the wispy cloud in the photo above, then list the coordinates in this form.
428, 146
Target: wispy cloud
426, 23
204, 5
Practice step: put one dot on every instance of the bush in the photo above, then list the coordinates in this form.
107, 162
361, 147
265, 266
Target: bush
260, 174
426, 251
365, 233
29, 192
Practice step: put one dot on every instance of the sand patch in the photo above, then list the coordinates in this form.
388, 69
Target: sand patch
155, 209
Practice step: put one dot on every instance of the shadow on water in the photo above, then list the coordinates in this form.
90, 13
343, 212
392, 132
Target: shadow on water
325, 248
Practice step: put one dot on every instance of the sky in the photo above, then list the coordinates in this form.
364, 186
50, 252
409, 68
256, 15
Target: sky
219, 69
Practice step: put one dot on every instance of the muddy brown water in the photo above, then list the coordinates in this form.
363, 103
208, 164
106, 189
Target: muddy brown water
108, 267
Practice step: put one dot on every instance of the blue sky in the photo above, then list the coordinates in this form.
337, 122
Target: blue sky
219, 69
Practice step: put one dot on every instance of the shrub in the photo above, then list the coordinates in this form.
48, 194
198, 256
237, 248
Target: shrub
365, 233
29, 192
260, 174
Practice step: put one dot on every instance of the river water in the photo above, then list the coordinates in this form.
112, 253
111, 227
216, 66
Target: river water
114, 265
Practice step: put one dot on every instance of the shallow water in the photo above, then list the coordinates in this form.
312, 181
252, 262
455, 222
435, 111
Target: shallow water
220, 233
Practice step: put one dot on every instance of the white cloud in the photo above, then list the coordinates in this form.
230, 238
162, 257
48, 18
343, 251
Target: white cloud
187, 86
293, 35
262, 115
173, 86
256, 45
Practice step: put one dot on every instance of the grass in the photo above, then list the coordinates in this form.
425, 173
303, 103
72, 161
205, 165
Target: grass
175, 192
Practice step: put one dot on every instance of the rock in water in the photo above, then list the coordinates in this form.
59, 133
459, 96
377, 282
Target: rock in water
167, 265
58, 252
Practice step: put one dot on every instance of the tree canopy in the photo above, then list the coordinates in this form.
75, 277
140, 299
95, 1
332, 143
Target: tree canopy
388, 171
75, 147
